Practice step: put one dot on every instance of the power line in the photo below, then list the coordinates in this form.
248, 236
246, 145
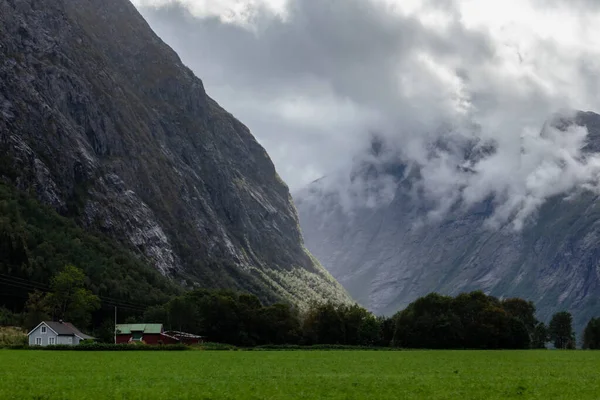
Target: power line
45, 287
20, 283
103, 300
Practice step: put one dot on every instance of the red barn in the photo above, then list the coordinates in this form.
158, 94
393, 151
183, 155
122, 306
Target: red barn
146, 333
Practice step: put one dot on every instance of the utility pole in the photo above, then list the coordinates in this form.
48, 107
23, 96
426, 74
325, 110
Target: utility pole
115, 324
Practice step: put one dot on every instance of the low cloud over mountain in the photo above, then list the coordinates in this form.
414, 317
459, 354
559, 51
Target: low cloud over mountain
315, 79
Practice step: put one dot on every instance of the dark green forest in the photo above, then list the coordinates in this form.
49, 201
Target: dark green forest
36, 243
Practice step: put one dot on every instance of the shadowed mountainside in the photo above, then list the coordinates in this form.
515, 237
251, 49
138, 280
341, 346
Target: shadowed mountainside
100, 120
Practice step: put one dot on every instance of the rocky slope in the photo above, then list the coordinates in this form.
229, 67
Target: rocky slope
385, 259
101, 120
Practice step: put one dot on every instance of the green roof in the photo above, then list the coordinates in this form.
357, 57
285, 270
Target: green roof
145, 328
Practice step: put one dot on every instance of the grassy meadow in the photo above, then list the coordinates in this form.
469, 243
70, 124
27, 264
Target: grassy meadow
463, 375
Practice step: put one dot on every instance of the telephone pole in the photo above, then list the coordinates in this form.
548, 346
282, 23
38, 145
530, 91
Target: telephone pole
115, 324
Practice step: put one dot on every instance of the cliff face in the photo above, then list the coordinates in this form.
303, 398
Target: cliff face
100, 119
386, 260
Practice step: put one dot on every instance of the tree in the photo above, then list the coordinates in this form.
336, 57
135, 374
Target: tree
218, 317
540, 336
470, 320
369, 332
429, 322
69, 299
157, 314
8, 318
522, 310
249, 312
561, 330
480, 316
386, 331
36, 309
105, 333
360, 326
279, 324
323, 324
517, 336
182, 311
591, 335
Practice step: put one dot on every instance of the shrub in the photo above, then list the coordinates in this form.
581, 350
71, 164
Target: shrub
111, 347
12, 336
292, 347
15, 347
216, 346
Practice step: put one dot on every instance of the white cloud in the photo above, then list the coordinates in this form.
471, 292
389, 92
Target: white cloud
228, 11
312, 79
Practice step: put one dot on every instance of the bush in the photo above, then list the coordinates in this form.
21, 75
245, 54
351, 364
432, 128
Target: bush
110, 347
292, 347
215, 346
11, 336
9, 318
15, 347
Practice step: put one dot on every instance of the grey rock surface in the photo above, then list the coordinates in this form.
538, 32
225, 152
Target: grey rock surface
101, 120
386, 257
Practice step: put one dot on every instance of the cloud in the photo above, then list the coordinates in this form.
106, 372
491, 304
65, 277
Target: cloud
549, 163
313, 79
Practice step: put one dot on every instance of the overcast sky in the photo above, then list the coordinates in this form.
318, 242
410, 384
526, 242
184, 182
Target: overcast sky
313, 79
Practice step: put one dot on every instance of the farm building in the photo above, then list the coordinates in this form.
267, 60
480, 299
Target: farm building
49, 333
186, 338
147, 333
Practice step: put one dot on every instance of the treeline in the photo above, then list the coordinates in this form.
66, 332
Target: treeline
240, 319
468, 321
227, 317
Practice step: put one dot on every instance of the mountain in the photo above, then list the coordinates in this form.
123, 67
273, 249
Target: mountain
386, 257
100, 120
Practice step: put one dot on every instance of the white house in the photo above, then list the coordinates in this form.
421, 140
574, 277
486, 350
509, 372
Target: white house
49, 333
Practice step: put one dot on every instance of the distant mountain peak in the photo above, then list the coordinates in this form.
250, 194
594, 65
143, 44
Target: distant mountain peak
386, 256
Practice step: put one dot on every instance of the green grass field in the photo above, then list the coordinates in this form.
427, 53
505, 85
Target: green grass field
300, 375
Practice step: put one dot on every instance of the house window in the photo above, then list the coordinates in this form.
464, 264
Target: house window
43, 330
38, 341
51, 341
70, 340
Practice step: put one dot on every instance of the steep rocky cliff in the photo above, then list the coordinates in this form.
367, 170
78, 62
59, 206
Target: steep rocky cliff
101, 120
386, 257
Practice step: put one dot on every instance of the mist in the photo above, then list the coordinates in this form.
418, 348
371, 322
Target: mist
314, 79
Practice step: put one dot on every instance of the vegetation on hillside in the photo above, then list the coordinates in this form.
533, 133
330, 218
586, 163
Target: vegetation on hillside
67, 300
36, 243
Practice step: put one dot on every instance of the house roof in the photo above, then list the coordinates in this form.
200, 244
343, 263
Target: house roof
126, 329
63, 328
178, 334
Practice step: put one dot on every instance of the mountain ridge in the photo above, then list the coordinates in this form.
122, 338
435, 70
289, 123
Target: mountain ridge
101, 120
